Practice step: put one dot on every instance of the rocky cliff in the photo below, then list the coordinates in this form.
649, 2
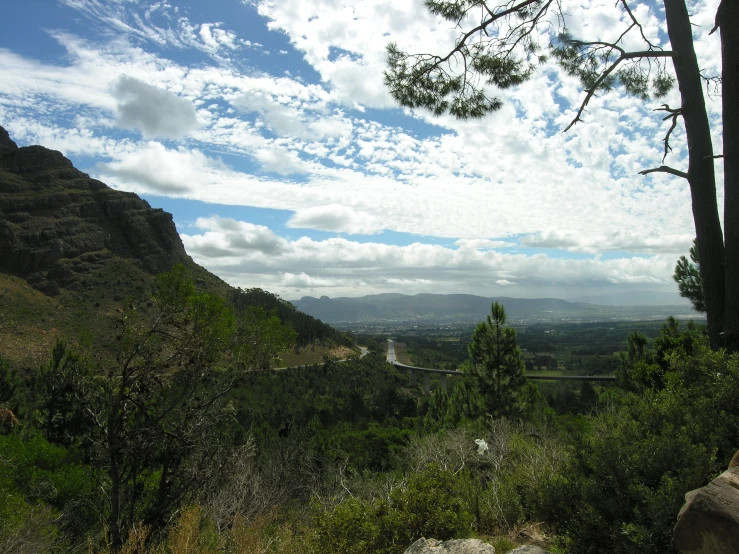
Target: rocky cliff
58, 225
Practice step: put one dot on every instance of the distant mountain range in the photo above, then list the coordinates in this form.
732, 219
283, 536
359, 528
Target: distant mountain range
441, 308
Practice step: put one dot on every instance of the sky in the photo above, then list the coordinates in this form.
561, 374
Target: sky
265, 128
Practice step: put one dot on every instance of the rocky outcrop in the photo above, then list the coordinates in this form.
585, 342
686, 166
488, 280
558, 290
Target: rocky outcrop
57, 224
709, 520
456, 546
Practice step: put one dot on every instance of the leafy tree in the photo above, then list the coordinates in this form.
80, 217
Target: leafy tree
159, 415
497, 365
501, 49
645, 368
688, 278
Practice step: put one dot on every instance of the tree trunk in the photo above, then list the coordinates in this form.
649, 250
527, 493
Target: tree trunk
701, 176
728, 21
114, 472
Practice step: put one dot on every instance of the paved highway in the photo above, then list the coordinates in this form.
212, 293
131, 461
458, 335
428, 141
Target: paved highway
391, 358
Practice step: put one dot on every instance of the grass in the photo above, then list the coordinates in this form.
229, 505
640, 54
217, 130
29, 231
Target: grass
28, 321
314, 355
84, 317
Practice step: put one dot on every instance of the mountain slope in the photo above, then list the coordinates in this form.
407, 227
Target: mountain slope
73, 251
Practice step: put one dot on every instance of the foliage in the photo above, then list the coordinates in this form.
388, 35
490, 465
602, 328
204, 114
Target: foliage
629, 474
643, 368
307, 328
430, 505
497, 368
500, 47
58, 388
688, 278
47, 485
156, 418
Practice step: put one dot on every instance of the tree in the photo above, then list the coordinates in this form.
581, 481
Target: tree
727, 20
159, 414
502, 50
688, 278
497, 366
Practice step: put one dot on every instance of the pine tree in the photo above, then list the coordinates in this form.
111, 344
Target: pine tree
497, 365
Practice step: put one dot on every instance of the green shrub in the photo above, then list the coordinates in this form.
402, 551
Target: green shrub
626, 483
432, 504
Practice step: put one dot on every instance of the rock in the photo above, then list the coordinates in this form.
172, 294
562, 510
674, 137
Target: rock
5, 141
709, 520
56, 223
7, 148
456, 546
528, 549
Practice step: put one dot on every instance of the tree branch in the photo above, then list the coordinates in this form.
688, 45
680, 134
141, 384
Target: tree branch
607, 72
673, 114
665, 169
635, 21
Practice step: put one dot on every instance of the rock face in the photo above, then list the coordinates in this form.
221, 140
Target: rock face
457, 546
709, 520
56, 223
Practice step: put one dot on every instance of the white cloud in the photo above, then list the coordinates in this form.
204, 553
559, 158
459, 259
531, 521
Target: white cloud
153, 111
161, 171
483, 244
249, 255
228, 238
336, 218
345, 169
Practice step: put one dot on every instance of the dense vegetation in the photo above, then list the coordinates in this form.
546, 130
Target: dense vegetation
184, 443
308, 329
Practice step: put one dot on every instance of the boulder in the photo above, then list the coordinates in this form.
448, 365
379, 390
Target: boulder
455, 546
709, 520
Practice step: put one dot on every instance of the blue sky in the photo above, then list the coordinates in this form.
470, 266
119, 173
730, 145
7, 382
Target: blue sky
264, 127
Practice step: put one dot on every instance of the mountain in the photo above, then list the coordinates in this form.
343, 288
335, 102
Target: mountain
57, 225
73, 250
441, 308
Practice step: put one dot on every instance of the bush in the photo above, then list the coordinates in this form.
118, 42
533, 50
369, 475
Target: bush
430, 505
626, 483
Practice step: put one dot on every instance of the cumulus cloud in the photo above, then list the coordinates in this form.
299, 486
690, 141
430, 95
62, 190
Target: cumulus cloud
250, 255
629, 240
336, 218
159, 170
153, 111
228, 238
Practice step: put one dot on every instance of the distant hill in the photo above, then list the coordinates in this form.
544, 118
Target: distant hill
73, 250
442, 308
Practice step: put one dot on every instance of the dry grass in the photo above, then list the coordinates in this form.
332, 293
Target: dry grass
28, 322
313, 355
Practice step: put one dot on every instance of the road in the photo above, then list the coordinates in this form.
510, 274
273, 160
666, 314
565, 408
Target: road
392, 359
391, 352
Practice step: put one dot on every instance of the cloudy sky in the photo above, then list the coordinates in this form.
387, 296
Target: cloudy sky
265, 128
